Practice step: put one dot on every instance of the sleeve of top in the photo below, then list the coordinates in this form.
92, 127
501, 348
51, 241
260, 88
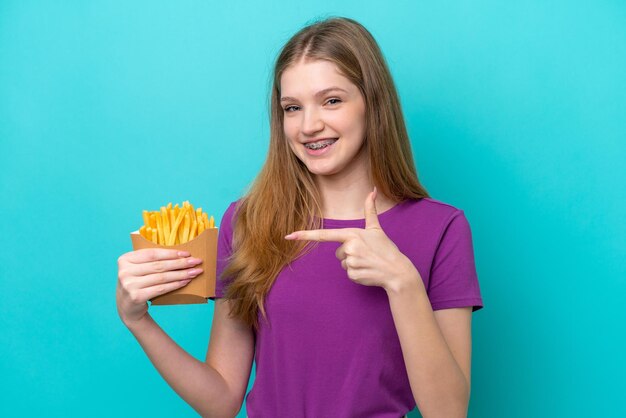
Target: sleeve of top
453, 279
224, 250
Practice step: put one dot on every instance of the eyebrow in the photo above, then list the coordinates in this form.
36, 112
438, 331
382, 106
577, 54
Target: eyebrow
319, 93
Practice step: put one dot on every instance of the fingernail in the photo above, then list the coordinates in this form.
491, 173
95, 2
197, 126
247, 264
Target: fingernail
194, 272
184, 254
375, 193
293, 235
192, 261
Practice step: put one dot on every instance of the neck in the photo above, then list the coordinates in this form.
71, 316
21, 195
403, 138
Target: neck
343, 195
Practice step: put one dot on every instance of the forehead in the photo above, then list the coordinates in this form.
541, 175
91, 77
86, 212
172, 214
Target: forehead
308, 77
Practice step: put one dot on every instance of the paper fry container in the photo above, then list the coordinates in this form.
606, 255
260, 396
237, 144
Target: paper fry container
200, 288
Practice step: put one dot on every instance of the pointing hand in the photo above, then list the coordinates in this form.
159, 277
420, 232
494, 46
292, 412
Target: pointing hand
369, 257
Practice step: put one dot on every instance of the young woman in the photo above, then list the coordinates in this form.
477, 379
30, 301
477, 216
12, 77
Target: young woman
352, 289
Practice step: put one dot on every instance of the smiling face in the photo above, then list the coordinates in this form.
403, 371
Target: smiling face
324, 118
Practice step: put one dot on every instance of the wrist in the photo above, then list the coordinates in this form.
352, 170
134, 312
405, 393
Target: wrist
407, 279
136, 325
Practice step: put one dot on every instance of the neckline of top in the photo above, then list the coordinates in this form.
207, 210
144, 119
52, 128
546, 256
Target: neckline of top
359, 222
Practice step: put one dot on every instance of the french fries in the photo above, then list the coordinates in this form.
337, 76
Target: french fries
174, 225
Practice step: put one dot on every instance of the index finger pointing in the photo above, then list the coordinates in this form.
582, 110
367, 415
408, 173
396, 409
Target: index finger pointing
322, 235
147, 255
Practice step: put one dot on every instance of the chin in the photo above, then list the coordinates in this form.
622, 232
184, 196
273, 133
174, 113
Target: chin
319, 171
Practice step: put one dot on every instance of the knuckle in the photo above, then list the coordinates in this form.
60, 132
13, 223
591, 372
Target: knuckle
148, 254
124, 282
135, 297
159, 266
162, 288
153, 255
121, 259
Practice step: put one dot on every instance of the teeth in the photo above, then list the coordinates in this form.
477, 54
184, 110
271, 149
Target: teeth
320, 144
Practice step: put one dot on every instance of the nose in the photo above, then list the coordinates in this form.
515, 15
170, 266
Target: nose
311, 122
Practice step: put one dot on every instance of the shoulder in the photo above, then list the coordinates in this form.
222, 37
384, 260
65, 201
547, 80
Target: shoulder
437, 205
428, 218
226, 225
229, 213
429, 209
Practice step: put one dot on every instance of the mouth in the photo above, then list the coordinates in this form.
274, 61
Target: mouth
323, 143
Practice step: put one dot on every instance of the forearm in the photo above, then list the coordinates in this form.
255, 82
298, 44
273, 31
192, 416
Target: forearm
199, 384
438, 384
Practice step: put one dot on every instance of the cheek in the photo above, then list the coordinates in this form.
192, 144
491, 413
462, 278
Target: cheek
289, 130
355, 124
352, 120
290, 136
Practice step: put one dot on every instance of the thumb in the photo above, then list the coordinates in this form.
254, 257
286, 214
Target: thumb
371, 216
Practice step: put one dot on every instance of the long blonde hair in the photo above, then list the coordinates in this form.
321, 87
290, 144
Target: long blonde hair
283, 198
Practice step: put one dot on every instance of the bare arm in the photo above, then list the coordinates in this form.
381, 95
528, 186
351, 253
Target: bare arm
214, 388
231, 350
199, 384
436, 347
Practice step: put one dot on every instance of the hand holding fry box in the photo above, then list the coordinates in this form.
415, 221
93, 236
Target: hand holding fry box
187, 229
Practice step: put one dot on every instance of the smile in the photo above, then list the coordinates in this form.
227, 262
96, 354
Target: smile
320, 144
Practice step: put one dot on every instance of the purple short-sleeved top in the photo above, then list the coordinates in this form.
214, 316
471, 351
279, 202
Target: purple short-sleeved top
330, 348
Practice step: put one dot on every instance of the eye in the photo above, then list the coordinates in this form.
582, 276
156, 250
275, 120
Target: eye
334, 100
290, 108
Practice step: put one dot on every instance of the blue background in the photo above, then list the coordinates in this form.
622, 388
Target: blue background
516, 112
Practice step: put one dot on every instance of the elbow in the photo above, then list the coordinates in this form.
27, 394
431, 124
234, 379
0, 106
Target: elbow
228, 409
221, 414
463, 401
467, 393
451, 403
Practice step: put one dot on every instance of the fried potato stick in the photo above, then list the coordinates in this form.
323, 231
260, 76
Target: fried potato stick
186, 226
174, 231
146, 218
159, 223
166, 222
